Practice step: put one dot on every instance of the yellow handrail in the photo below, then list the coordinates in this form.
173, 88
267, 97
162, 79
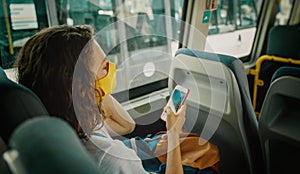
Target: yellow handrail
255, 72
7, 24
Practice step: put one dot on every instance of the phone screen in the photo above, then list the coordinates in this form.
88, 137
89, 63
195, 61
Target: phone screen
177, 98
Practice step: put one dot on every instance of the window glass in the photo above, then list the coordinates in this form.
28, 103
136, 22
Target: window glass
137, 35
234, 22
19, 19
133, 33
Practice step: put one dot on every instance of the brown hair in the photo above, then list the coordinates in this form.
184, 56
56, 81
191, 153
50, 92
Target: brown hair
46, 64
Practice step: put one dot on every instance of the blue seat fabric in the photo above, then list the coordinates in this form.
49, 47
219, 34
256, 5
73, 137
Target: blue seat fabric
17, 103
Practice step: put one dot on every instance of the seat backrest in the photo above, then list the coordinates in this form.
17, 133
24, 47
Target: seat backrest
219, 107
17, 103
279, 122
47, 145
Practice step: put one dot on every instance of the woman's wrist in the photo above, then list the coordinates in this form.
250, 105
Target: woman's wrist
173, 140
173, 133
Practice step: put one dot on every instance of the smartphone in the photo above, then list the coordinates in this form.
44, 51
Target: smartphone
176, 100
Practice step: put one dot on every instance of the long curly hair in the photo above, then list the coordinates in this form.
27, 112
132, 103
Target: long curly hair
46, 65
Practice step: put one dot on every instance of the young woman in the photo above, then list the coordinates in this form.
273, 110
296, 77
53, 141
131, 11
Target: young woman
67, 69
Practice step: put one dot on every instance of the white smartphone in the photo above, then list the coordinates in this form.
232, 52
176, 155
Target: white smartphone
177, 99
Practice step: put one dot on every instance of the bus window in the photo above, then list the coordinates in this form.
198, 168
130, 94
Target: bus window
137, 35
133, 34
234, 22
19, 19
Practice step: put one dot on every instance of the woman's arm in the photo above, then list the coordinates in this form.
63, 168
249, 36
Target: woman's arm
174, 164
117, 120
174, 126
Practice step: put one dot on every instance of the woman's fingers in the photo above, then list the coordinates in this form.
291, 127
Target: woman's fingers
168, 110
175, 121
182, 109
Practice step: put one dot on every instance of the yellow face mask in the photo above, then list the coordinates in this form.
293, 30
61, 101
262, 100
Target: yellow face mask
108, 83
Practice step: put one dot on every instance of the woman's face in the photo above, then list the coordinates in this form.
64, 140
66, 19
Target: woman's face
100, 62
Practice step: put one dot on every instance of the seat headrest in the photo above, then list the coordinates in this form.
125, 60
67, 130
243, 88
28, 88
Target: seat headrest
284, 41
286, 71
50, 145
17, 103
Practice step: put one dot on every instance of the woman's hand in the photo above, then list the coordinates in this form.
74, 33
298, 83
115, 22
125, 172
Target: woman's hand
174, 125
175, 121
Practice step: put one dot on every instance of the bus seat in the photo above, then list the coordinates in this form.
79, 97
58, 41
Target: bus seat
282, 49
219, 107
279, 122
3, 147
47, 145
17, 104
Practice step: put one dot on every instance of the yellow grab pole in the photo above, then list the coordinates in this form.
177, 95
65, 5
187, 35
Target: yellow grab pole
7, 24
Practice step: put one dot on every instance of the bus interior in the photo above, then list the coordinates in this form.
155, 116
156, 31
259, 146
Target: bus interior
239, 58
